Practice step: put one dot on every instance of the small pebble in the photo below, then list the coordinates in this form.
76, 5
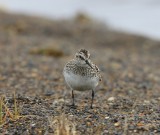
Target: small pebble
61, 100
105, 132
48, 93
55, 102
111, 98
116, 124
135, 131
88, 123
155, 131
106, 117
33, 124
146, 102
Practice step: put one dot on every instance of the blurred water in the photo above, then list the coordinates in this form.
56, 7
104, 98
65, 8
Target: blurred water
135, 16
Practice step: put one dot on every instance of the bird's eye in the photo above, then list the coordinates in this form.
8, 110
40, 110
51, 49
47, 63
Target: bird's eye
81, 57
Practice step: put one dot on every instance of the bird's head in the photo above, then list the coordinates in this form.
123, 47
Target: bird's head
83, 57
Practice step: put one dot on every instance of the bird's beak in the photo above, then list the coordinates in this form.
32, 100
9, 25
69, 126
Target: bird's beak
87, 62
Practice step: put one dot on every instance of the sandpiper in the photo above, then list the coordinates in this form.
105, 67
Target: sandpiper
81, 74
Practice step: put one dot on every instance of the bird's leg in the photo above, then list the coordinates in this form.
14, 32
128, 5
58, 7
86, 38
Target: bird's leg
92, 99
73, 99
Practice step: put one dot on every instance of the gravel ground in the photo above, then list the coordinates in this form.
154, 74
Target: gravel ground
33, 52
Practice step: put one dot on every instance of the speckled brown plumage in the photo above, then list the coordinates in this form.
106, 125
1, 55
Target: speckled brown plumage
71, 66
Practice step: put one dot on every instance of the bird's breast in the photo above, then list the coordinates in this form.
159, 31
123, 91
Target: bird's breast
80, 82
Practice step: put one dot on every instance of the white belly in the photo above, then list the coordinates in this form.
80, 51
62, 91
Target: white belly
81, 83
